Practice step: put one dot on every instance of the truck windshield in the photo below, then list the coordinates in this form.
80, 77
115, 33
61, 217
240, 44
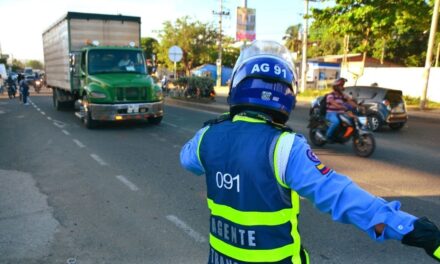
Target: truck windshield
116, 61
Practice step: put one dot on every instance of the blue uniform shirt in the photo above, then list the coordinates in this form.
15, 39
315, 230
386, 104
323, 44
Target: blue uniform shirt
328, 190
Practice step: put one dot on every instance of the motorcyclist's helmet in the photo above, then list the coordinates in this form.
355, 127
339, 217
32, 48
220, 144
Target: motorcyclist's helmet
338, 84
263, 79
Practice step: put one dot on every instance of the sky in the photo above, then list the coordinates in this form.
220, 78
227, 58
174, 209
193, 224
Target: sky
22, 22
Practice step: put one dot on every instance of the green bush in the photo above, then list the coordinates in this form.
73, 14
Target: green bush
415, 101
194, 86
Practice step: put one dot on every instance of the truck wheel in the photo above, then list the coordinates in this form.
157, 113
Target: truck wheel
56, 102
87, 119
155, 120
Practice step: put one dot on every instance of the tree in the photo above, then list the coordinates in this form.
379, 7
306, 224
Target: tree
35, 64
323, 42
383, 29
229, 52
196, 39
17, 65
292, 38
150, 47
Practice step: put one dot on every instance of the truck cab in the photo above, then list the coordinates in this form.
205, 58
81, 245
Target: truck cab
112, 84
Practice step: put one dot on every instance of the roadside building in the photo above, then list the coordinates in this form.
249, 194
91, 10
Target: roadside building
210, 70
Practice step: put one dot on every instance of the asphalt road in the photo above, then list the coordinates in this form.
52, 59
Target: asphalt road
117, 194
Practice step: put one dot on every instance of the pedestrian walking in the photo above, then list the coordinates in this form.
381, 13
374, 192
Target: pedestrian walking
256, 168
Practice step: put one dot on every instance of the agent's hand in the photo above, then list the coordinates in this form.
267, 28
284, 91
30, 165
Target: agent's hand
425, 235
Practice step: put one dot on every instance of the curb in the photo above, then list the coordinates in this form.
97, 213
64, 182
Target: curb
213, 107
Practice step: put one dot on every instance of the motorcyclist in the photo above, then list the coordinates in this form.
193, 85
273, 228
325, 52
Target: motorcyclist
11, 86
24, 89
256, 168
337, 103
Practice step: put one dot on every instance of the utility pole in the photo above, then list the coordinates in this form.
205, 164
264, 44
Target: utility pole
245, 6
221, 13
437, 55
429, 54
304, 48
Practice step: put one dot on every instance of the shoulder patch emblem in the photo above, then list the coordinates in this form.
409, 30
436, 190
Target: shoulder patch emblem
312, 156
321, 167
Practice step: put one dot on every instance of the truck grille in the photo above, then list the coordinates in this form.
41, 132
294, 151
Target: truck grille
130, 94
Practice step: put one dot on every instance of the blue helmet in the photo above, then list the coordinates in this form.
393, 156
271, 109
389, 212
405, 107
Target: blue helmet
264, 80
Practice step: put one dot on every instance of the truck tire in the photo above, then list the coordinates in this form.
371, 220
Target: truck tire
56, 102
155, 120
87, 119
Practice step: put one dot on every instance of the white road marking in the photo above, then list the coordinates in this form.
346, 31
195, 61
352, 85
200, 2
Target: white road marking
38, 109
129, 184
179, 127
98, 159
79, 143
49, 118
43, 113
59, 124
169, 124
66, 132
188, 230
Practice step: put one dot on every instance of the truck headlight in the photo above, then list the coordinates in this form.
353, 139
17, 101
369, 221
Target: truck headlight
98, 95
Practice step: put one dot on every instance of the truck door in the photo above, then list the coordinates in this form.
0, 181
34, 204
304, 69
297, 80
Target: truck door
76, 75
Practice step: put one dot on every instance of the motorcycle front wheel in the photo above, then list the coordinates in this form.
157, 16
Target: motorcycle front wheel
364, 145
316, 140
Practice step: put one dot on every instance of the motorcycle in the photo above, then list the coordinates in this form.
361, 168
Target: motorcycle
353, 126
12, 89
38, 84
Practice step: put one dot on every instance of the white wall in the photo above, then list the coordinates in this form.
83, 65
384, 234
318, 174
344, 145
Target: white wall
409, 80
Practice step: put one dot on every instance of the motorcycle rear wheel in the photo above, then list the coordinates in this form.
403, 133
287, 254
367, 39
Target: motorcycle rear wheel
364, 145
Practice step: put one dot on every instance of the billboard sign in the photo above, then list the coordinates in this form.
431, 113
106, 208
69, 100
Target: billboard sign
245, 24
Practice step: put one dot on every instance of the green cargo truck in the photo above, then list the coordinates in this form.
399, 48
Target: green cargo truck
93, 62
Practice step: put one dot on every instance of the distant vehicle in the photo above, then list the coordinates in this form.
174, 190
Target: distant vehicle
384, 106
3, 71
28, 71
100, 68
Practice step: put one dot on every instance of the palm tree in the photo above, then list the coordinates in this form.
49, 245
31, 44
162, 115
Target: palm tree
292, 38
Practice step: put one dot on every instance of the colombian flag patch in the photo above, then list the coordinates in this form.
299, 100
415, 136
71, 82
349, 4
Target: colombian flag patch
322, 168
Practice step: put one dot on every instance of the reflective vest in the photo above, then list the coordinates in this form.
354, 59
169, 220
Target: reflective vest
253, 213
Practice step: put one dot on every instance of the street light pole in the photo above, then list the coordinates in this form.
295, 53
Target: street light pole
429, 54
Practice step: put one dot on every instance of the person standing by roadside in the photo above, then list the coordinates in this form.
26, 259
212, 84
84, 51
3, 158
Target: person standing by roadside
1, 84
256, 168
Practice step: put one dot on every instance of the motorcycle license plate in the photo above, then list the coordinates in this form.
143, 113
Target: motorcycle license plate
363, 120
